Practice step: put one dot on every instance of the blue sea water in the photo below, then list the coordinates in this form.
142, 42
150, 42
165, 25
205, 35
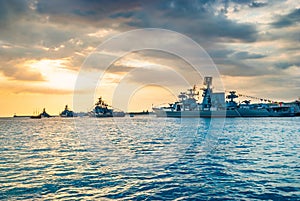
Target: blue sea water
149, 158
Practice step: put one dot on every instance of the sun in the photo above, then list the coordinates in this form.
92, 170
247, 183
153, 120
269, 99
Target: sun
55, 72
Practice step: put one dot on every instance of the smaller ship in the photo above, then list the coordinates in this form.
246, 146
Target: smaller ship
103, 110
41, 115
132, 114
67, 112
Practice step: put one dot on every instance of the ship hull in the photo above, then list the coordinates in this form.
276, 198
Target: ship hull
118, 114
222, 113
101, 115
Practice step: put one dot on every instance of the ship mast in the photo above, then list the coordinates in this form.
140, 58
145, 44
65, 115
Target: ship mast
192, 93
207, 91
231, 97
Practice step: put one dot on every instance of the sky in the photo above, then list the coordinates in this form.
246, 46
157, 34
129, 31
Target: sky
47, 46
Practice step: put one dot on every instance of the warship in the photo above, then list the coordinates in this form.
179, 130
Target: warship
44, 114
102, 110
67, 112
219, 105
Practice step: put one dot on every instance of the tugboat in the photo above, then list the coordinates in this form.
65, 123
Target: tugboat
102, 110
67, 112
214, 105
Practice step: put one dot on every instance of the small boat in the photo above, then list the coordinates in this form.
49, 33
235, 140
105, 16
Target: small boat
67, 112
103, 110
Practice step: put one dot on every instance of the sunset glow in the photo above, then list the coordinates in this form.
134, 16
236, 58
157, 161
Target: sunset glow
44, 44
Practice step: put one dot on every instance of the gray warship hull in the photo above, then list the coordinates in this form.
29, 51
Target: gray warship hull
222, 113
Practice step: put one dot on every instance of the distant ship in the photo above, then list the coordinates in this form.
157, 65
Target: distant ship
103, 110
139, 113
67, 112
41, 115
214, 105
21, 116
36, 116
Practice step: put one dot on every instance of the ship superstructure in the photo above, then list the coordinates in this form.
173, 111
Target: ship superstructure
67, 112
102, 109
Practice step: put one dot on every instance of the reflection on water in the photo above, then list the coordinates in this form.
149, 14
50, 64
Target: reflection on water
149, 158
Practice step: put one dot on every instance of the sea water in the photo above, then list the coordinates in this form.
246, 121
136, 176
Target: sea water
149, 158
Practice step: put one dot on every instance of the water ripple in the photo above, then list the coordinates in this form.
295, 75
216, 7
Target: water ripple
147, 158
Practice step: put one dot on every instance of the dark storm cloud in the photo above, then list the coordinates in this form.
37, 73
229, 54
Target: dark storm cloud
240, 1
219, 52
159, 77
10, 11
286, 64
238, 68
194, 18
221, 27
91, 10
20, 25
205, 21
256, 4
290, 19
122, 14
247, 55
